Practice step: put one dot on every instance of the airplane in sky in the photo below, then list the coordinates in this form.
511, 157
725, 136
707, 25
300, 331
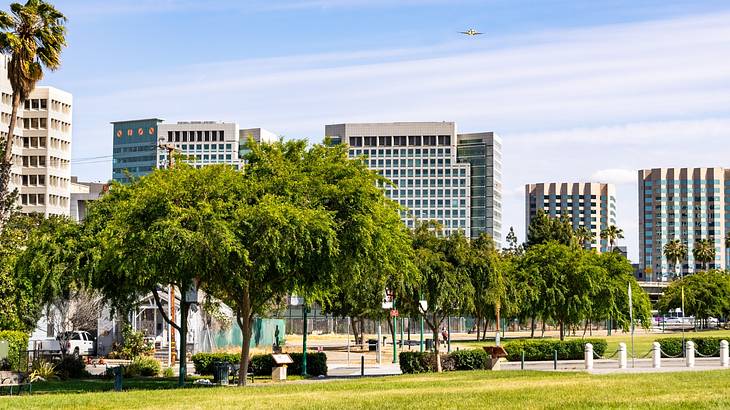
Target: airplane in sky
471, 32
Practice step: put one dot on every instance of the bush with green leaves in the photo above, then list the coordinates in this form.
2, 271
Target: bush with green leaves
415, 362
71, 367
168, 373
261, 365
133, 345
538, 350
143, 366
706, 346
17, 342
470, 359
43, 370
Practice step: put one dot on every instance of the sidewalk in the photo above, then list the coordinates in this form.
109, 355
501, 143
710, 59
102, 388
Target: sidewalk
343, 370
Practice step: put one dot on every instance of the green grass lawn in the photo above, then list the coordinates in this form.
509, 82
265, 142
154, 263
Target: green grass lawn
430, 391
642, 340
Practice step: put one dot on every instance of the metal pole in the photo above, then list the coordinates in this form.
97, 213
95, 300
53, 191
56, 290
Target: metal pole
448, 334
378, 352
522, 361
395, 332
421, 344
304, 339
362, 365
348, 340
555, 360
402, 324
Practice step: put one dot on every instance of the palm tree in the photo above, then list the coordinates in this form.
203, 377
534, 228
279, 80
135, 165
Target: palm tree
32, 35
612, 233
704, 251
675, 252
583, 235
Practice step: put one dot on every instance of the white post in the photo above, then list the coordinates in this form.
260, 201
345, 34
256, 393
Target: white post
589, 356
622, 355
348, 340
724, 354
379, 352
656, 355
690, 354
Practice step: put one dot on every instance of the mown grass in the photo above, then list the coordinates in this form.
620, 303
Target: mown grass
642, 340
431, 391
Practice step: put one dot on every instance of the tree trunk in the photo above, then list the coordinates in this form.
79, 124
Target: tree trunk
245, 322
11, 128
182, 356
436, 346
478, 327
562, 330
542, 336
532, 327
497, 321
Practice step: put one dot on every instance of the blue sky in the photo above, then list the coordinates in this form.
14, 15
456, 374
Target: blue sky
578, 90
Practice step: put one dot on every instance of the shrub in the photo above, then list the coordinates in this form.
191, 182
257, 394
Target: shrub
17, 342
43, 371
143, 366
414, 362
471, 359
706, 346
133, 345
168, 372
204, 362
537, 350
71, 368
261, 365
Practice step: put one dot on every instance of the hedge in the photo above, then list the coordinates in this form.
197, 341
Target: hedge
424, 362
261, 365
17, 342
706, 346
537, 350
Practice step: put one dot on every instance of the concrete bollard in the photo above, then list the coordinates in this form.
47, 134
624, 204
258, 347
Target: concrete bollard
656, 355
724, 354
690, 354
589, 356
622, 355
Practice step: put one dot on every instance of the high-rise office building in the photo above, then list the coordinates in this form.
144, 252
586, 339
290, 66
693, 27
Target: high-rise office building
589, 205
438, 174
687, 204
135, 148
137, 144
41, 150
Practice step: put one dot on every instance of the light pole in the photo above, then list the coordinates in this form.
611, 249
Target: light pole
394, 313
304, 339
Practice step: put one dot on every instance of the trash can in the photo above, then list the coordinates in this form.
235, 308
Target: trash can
372, 345
221, 373
118, 375
429, 344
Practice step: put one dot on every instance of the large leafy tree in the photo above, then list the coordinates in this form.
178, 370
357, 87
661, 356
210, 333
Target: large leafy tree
167, 228
444, 282
704, 252
675, 252
544, 229
706, 294
612, 234
20, 305
485, 268
32, 35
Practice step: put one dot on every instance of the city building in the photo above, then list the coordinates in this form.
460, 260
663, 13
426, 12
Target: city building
81, 194
590, 205
139, 144
41, 150
438, 174
686, 204
134, 148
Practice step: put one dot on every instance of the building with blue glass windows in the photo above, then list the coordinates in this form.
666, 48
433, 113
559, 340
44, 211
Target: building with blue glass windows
687, 204
135, 148
438, 174
589, 205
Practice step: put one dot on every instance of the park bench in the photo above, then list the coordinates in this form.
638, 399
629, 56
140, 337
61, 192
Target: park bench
11, 380
496, 353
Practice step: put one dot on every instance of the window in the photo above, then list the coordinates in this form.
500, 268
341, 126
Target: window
414, 140
444, 140
356, 141
44, 104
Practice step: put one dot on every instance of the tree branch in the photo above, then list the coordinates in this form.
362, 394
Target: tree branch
162, 311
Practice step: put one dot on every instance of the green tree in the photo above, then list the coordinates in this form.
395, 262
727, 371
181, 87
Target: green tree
513, 247
612, 234
675, 252
704, 252
544, 229
584, 237
20, 306
167, 228
706, 294
566, 283
32, 35
485, 270
444, 283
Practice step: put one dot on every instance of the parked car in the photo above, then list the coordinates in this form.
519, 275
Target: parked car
77, 343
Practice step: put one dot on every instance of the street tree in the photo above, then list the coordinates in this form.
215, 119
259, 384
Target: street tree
612, 234
32, 35
543, 229
706, 294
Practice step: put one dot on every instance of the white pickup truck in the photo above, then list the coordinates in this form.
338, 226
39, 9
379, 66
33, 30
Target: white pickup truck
77, 343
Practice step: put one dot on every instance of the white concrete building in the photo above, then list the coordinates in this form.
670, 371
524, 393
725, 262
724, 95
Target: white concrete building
81, 194
208, 142
438, 174
42, 148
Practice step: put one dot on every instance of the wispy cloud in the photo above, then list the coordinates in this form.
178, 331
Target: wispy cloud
615, 176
